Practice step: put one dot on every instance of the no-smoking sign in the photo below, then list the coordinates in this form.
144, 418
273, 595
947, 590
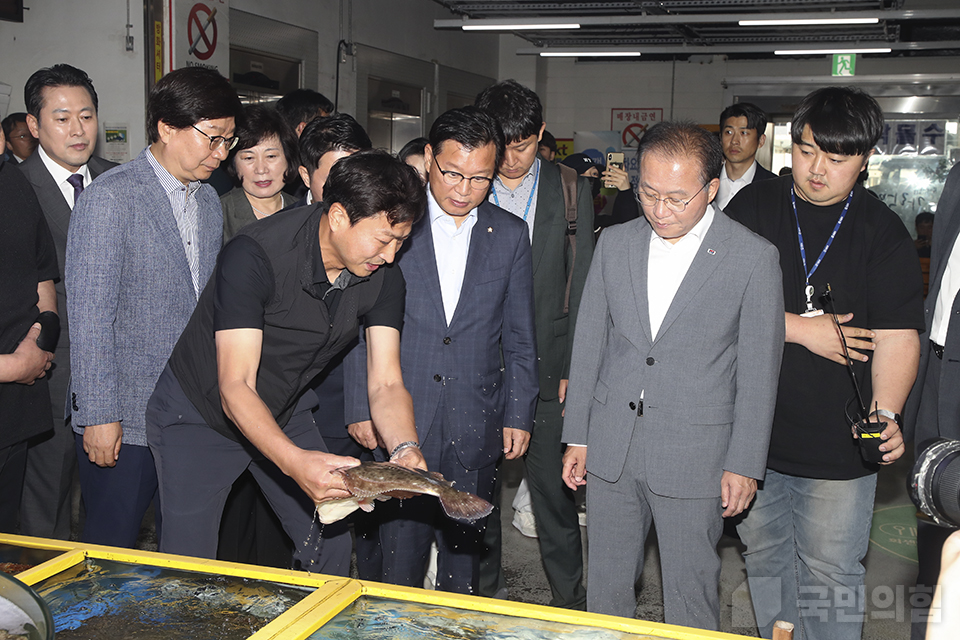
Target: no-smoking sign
202, 31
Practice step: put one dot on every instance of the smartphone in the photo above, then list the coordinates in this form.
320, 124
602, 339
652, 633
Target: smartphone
616, 159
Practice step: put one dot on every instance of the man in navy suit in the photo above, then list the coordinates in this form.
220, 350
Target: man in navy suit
467, 349
741, 136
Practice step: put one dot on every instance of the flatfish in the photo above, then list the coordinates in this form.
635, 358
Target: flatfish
372, 481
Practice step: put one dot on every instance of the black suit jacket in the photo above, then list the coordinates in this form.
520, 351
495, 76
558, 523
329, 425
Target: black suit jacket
57, 212
924, 420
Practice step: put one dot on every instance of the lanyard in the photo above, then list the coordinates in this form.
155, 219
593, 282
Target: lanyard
803, 252
533, 191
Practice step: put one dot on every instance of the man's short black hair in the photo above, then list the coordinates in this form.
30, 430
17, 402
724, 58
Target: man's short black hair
470, 127
303, 105
413, 148
843, 120
756, 118
684, 139
338, 132
11, 120
259, 123
516, 108
547, 140
59, 75
373, 181
186, 96
924, 217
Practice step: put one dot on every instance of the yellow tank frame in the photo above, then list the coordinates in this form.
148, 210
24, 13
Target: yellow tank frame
333, 594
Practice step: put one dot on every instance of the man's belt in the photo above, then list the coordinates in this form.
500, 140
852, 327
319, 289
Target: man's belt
937, 349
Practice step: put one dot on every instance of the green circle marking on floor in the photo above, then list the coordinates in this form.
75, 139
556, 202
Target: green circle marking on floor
894, 530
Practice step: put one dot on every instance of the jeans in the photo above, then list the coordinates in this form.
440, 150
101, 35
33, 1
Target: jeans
805, 539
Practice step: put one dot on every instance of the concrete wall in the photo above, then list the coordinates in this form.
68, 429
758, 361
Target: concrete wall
92, 39
89, 34
579, 95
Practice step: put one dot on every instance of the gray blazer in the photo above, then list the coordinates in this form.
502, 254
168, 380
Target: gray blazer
709, 378
130, 292
926, 421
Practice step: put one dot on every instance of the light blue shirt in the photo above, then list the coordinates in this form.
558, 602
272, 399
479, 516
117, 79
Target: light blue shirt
520, 201
450, 246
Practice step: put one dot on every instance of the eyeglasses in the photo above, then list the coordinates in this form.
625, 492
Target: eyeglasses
453, 178
677, 206
219, 141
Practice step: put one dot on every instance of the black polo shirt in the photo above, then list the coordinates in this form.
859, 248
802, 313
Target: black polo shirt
27, 258
271, 277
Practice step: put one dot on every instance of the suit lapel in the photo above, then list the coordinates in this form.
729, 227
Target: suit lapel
711, 253
549, 192
638, 275
420, 261
481, 243
950, 233
51, 199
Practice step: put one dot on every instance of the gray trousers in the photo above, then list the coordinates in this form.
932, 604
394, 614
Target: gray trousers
618, 520
51, 464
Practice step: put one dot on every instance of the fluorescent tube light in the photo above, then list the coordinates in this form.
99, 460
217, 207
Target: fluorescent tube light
484, 26
807, 21
825, 52
584, 54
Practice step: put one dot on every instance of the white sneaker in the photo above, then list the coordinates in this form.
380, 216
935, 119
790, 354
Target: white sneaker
525, 523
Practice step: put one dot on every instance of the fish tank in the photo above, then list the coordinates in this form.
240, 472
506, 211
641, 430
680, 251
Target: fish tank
96, 592
107, 599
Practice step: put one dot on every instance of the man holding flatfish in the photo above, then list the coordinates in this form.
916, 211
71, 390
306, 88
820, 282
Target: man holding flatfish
287, 295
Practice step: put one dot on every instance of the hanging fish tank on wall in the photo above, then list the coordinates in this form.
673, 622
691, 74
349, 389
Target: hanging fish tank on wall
95, 592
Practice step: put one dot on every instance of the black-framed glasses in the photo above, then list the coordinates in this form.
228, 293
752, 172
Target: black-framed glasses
453, 178
673, 204
219, 141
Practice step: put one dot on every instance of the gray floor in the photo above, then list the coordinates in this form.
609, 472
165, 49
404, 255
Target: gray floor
891, 571
890, 562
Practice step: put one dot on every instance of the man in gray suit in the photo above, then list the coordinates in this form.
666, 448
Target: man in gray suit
143, 242
932, 410
530, 188
62, 106
672, 381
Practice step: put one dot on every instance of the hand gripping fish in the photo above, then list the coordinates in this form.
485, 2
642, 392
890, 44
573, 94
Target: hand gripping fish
384, 480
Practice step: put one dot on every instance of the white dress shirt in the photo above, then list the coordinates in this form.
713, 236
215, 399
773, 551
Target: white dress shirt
450, 246
729, 188
667, 265
60, 176
949, 286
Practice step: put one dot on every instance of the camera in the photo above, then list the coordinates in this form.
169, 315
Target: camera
934, 483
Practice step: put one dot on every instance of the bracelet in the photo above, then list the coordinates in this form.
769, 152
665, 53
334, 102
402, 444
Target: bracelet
403, 445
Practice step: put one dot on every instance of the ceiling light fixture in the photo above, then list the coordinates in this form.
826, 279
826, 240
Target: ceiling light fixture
807, 21
486, 26
825, 52
585, 54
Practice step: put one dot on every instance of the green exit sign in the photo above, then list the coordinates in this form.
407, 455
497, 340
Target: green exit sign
844, 64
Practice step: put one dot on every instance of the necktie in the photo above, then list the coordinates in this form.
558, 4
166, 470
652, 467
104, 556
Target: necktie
76, 181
